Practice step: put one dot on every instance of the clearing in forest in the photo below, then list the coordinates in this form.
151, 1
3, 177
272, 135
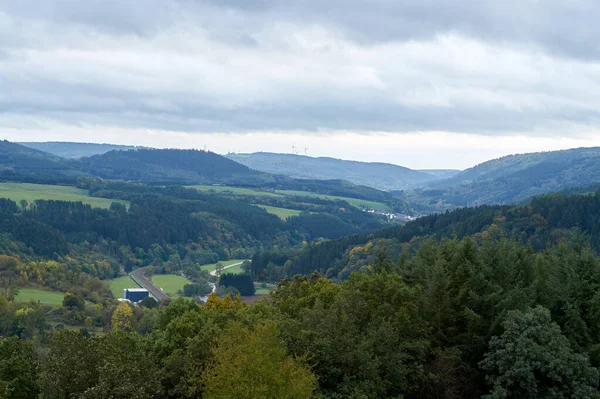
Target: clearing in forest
31, 192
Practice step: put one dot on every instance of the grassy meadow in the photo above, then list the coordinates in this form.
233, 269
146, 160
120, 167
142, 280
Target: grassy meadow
32, 192
171, 284
226, 190
211, 267
282, 213
118, 284
236, 191
45, 297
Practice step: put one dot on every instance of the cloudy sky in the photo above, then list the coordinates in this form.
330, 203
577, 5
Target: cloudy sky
420, 83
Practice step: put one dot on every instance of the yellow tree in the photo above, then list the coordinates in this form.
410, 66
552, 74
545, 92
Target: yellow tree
122, 318
255, 364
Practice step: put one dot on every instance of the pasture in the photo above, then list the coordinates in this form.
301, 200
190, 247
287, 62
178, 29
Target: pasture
359, 203
228, 190
45, 297
236, 191
171, 284
32, 192
211, 267
118, 284
282, 213
234, 270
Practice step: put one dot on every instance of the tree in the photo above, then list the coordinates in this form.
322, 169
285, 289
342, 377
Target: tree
254, 364
533, 359
24, 204
149, 302
122, 318
70, 367
73, 301
17, 370
219, 268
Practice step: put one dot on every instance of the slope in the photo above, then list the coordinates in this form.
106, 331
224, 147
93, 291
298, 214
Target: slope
76, 150
378, 175
513, 179
28, 164
165, 166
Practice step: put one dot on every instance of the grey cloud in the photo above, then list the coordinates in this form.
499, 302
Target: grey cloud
495, 67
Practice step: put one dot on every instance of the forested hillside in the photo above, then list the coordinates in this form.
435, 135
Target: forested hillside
76, 150
450, 319
542, 223
164, 166
378, 175
27, 164
511, 179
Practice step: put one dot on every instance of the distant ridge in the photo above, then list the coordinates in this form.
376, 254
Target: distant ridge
29, 164
513, 179
382, 176
77, 150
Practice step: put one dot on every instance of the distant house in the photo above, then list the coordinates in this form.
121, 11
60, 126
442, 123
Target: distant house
135, 294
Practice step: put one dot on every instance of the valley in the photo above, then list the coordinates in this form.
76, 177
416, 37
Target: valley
216, 245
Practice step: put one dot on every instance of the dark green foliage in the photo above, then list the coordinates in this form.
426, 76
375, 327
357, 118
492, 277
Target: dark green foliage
242, 282
73, 301
197, 289
18, 374
149, 302
532, 359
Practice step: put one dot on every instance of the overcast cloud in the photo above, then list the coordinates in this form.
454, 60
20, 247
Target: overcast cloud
154, 70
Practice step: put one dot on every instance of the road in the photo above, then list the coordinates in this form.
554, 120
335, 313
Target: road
138, 275
214, 272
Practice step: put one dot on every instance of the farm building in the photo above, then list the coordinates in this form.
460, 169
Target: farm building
135, 294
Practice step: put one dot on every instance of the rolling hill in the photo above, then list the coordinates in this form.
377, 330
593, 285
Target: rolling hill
165, 166
512, 179
76, 150
382, 176
31, 165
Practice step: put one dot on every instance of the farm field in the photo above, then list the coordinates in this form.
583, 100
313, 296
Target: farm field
170, 283
378, 206
279, 193
45, 297
282, 213
118, 284
234, 270
236, 191
211, 267
32, 192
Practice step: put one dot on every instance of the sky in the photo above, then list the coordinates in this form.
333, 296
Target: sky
418, 83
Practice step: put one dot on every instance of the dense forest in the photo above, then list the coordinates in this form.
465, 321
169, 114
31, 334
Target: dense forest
452, 320
383, 176
496, 301
510, 179
540, 224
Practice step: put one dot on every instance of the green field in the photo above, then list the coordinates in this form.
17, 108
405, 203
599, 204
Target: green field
32, 192
282, 213
170, 283
279, 193
236, 191
234, 270
378, 206
45, 297
117, 285
213, 266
